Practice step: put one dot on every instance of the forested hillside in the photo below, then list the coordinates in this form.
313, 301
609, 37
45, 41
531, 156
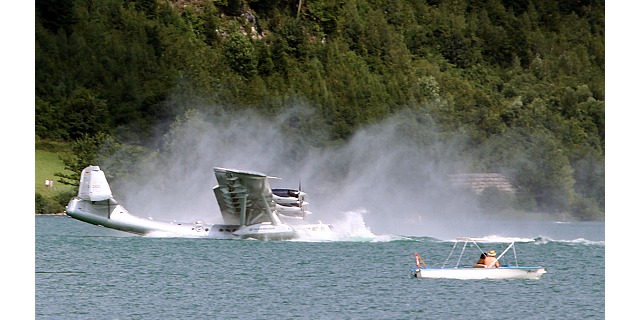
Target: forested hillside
523, 80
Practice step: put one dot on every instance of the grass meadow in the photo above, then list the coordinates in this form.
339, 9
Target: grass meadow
47, 162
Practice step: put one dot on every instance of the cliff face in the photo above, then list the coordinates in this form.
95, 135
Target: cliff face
182, 4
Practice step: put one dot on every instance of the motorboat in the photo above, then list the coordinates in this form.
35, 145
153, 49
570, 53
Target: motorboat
477, 271
245, 198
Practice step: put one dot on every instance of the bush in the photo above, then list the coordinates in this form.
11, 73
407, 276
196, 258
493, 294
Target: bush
586, 209
494, 200
61, 199
54, 204
45, 205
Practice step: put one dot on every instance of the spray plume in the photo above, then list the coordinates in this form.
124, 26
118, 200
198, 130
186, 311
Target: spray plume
394, 172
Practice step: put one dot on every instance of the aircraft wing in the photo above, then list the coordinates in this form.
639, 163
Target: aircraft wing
244, 197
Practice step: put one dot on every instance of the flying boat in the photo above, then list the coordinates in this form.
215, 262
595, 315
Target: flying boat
248, 205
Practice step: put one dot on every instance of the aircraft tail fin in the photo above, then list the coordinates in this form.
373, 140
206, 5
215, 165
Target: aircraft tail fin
94, 185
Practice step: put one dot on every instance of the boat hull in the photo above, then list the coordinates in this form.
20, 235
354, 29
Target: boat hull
526, 273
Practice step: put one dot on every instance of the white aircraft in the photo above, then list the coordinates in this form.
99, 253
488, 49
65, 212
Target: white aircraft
249, 207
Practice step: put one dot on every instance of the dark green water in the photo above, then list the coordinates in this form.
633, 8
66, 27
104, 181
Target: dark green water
88, 272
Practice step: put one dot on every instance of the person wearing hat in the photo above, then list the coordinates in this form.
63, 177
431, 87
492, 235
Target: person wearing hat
491, 259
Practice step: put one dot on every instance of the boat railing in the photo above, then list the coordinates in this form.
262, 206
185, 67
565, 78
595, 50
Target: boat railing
466, 240
502, 254
461, 254
450, 253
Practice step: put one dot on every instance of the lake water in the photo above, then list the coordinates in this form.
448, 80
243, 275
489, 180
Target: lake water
88, 272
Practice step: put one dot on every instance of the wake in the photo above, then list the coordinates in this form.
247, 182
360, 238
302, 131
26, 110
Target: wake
351, 227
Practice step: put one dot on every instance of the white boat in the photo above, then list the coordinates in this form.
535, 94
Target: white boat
245, 200
476, 271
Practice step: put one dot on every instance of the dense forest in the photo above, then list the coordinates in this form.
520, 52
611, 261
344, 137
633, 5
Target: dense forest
522, 79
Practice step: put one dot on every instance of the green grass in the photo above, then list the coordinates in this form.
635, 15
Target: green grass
47, 163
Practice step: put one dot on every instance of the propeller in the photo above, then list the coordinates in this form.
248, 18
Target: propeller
300, 199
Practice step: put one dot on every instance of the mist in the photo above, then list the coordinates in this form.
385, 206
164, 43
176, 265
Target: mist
393, 173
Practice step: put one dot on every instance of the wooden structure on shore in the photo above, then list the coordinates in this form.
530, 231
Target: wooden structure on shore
480, 181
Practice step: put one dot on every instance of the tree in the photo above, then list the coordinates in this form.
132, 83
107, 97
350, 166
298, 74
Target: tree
85, 114
86, 151
56, 14
542, 168
239, 53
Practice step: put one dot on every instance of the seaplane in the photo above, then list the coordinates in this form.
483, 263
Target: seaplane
248, 205
482, 269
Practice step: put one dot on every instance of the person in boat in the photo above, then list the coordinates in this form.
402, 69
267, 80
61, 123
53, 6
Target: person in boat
491, 259
480, 262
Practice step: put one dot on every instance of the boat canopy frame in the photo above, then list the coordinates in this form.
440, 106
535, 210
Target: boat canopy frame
475, 241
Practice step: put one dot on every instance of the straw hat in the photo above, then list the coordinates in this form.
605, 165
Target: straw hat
492, 253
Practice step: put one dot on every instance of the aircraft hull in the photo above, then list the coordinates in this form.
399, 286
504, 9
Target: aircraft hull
114, 216
266, 231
